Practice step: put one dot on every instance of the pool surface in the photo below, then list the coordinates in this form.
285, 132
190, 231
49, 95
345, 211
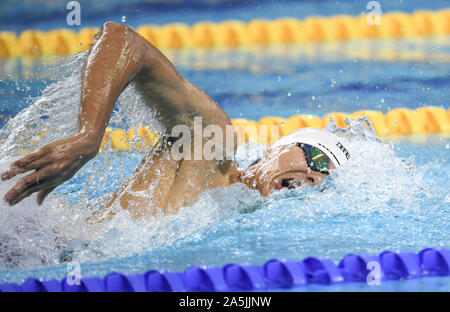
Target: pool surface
392, 195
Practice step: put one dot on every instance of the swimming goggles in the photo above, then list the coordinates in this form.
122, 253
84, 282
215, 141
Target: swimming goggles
315, 158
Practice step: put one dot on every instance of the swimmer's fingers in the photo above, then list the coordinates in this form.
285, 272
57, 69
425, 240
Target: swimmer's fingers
24, 188
29, 162
14, 170
43, 193
20, 196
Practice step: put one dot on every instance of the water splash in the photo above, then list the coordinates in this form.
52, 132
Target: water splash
379, 200
33, 235
358, 129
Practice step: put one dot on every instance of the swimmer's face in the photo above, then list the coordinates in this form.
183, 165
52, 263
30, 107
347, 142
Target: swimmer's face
282, 167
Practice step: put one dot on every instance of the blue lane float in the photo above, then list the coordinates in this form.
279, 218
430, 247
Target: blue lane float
274, 274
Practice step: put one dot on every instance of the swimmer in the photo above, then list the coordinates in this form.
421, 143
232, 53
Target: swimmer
119, 56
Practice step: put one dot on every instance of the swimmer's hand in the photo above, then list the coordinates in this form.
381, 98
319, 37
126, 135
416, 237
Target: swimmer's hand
54, 164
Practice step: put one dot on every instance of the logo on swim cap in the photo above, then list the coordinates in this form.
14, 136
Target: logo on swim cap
326, 141
343, 149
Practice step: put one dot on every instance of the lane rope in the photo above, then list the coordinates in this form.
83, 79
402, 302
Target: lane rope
397, 121
235, 33
274, 274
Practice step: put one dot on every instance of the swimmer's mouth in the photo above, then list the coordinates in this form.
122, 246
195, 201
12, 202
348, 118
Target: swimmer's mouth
289, 183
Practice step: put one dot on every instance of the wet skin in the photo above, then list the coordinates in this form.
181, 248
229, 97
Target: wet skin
117, 57
281, 167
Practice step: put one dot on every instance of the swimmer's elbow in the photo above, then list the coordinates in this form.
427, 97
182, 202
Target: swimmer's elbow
148, 61
114, 38
119, 35
112, 26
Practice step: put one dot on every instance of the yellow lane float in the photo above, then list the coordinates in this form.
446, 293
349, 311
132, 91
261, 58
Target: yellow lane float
234, 34
397, 121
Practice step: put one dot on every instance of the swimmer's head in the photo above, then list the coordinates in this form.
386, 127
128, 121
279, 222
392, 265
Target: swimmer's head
303, 156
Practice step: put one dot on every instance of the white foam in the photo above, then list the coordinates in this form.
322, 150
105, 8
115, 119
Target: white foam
375, 180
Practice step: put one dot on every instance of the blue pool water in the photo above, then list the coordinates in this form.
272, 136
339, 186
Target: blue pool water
393, 195
402, 210
285, 80
52, 14
379, 202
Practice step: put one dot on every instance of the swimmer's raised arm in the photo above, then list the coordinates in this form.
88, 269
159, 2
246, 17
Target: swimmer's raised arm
117, 56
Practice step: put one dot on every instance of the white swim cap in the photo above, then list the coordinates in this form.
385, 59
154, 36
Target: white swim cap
326, 141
